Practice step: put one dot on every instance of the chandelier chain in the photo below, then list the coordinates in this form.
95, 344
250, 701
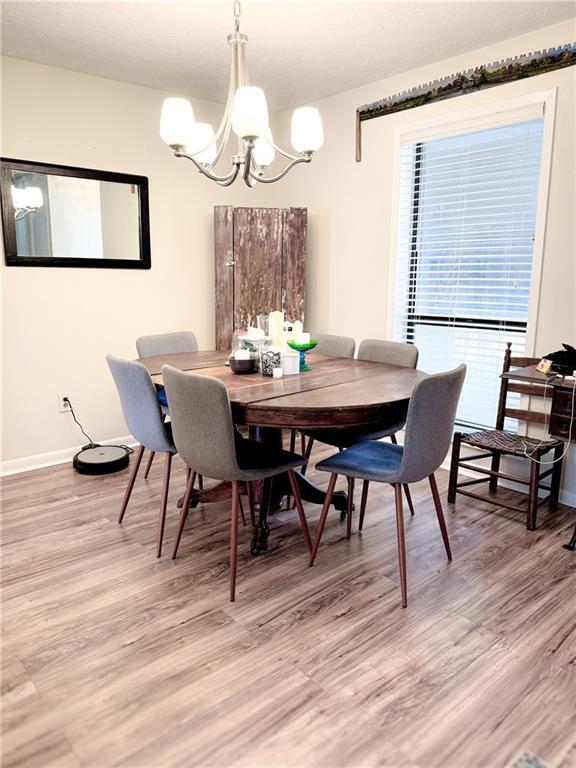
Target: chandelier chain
237, 12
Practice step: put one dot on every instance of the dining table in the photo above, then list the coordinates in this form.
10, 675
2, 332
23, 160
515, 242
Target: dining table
336, 393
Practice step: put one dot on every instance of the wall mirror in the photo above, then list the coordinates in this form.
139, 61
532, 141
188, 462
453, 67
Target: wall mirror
59, 216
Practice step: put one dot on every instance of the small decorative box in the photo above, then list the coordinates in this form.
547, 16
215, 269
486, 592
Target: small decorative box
268, 361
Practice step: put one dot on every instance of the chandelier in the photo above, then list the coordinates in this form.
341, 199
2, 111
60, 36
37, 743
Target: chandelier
246, 114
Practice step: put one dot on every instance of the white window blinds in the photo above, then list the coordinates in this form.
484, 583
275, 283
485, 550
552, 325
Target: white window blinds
467, 218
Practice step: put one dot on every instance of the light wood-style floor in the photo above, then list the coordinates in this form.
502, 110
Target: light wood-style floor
114, 658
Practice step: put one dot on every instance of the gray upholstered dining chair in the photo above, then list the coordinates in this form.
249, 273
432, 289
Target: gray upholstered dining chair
429, 427
374, 351
145, 421
334, 346
204, 435
166, 344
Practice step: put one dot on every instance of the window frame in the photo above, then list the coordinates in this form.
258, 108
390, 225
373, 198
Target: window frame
472, 119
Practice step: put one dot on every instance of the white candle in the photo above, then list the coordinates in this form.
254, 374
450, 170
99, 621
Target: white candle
302, 338
276, 328
277, 373
296, 329
242, 354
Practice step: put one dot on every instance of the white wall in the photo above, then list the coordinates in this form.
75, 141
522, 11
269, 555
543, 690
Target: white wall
58, 324
351, 204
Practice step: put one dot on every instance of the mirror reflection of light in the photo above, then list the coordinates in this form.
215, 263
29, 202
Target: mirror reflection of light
26, 200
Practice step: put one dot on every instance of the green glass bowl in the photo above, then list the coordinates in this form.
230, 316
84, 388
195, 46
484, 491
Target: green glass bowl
302, 349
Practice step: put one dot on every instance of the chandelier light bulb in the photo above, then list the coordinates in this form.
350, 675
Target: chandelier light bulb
263, 152
27, 198
307, 134
202, 145
176, 122
249, 112
35, 197
19, 197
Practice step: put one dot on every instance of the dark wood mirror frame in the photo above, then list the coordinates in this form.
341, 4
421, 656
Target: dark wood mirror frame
7, 165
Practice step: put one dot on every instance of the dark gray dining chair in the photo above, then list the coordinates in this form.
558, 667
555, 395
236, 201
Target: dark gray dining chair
145, 421
429, 428
166, 344
373, 351
204, 435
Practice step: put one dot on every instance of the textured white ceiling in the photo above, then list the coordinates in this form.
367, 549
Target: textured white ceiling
298, 51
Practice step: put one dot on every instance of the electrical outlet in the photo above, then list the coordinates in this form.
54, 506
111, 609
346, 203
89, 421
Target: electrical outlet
63, 406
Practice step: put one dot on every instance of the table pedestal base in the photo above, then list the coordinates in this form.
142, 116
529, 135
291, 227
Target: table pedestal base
273, 492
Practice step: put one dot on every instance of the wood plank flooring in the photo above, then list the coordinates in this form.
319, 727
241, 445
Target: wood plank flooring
114, 658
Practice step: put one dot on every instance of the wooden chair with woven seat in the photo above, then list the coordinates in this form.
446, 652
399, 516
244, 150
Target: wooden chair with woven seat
498, 442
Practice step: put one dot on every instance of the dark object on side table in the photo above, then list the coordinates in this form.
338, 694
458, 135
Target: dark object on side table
563, 361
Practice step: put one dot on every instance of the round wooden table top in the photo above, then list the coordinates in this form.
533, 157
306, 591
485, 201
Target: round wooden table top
337, 392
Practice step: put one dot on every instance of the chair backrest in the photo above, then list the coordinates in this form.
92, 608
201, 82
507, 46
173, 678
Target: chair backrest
140, 405
391, 352
166, 344
202, 424
430, 423
523, 388
334, 346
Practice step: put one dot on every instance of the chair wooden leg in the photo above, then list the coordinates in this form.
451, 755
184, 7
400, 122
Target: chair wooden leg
556, 477
303, 444
440, 514
292, 441
300, 508
184, 512
234, 539
401, 544
405, 486
456, 440
323, 516
251, 504
200, 483
494, 467
408, 498
149, 464
533, 494
307, 453
128, 493
349, 507
241, 507
363, 502
164, 503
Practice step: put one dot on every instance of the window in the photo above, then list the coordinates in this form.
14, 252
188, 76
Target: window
467, 219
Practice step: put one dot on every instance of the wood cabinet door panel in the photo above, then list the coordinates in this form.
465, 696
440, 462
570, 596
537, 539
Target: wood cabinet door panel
258, 263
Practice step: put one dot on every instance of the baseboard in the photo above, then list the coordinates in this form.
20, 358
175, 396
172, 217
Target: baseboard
51, 459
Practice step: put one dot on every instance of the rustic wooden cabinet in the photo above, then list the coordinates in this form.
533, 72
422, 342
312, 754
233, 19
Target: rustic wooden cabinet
260, 262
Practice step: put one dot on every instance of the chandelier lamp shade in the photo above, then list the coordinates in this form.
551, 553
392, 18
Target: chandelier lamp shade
26, 200
245, 115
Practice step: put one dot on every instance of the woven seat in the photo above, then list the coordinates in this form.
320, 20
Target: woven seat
495, 443
508, 442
